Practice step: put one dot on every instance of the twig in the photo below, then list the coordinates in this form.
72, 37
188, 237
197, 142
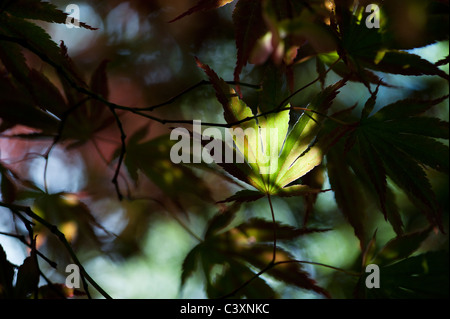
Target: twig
59, 135
350, 273
22, 239
177, 219
123, 150
179, 95
53, 229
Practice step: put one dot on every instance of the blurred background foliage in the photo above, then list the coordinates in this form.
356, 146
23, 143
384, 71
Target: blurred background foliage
135, 248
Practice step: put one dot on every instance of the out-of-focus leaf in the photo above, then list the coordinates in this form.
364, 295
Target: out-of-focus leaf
290, 272
6, 276
262, 230
444, 61
19, 109
92, 116
203, 5
27, 277
348, 193
249, 27
232, 276
406, 29
73, 96
8, 188
99, 80
221, 221
45, 94
305, 29
223, 274
40, 10
243, 196
190, 263
400, 247
59, 291
298, 190
70, 215
274, 88
14, 61
232, 251
152, 158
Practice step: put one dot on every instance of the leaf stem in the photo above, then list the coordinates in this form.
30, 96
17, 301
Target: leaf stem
274, 230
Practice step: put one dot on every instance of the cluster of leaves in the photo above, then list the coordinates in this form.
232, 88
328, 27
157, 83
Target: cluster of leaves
361, 155
395, 142
32, 102
228, 250
291, 32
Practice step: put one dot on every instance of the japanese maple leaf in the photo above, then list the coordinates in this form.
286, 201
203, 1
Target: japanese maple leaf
272, 156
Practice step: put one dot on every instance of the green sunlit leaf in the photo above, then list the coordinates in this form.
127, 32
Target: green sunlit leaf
276, 156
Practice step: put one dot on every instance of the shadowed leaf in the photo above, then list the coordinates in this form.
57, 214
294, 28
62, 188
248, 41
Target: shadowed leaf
6, 276
203, 5
400, 247
249, 27
27, 277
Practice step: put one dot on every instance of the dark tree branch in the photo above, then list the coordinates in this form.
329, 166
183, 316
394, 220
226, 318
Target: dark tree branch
53, 229
23, 240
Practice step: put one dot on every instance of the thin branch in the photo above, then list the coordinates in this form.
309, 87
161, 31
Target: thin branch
84, 274
230, 125
23, 240
59, 135
139, 111
195, 86
350, 273
177, 219
123, 150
